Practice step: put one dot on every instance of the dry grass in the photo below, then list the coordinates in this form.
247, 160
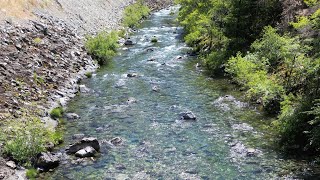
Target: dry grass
20, 8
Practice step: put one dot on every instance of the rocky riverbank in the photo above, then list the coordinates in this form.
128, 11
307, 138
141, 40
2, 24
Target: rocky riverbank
43, 59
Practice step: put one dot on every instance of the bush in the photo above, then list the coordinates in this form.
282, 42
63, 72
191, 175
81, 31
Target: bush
134, 13
56, 113
103, 46
88, 74
25, 138
32, 173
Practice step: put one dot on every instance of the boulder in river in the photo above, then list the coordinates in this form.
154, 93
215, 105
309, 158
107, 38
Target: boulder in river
155, 89
130, 75
83, 89
188, 116
131, 100
116, 141
86, 152
251, 152
47, 160
85, 142
72, 116
128, 42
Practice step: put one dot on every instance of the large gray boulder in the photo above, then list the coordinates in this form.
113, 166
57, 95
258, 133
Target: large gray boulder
47, 160
85, 142
188, 116
86, 152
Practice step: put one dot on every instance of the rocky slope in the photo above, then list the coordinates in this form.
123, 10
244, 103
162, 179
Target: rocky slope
43, 59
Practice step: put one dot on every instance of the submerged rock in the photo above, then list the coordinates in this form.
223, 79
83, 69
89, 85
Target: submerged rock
85, 142
155, 89
116, 141
131, 100
78, 136
47, 160
86, 152
83, 89
72, 116
188, 116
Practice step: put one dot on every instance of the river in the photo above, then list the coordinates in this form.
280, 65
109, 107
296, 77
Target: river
157, 143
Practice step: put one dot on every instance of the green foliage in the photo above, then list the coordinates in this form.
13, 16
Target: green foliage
25, 138
88, 74
311, 2
134, 13
56, 113
32, 173
225, 26
38, 79
37, 40
103, 46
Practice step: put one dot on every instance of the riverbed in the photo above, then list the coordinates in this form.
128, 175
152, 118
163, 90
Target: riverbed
226, 141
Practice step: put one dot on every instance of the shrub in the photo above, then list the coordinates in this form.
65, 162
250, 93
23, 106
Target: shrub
37, 40
56, 113
134, 13
32, 173
103, 46
88, 74
25, 138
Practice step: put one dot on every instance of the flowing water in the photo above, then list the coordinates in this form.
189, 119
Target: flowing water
157, 144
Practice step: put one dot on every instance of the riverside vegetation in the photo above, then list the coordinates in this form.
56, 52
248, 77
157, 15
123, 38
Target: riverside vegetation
271, 50
25, 137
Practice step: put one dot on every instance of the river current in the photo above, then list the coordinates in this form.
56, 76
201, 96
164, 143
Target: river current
224, 142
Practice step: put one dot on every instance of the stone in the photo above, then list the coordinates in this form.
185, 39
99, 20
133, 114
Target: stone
11, 164
72, 116
151, 60
78, 136
85, 142
131, 100
130, 75
86, 152
83, 89
251, 152
188, 116
155, 89
49, 146
116, 141
47, 160
63, 102
128, 42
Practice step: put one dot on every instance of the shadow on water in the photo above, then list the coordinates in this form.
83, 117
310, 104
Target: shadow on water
227, 141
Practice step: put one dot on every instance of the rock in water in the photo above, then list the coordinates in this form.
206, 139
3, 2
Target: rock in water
155, 89
86, 152
83, 89
251, 152
85, 142
188, 116
131, 100
128, 42
47, 161
116, 141
72, 116
130, 75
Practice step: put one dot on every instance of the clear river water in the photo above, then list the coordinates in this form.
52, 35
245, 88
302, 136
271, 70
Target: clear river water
227, 141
